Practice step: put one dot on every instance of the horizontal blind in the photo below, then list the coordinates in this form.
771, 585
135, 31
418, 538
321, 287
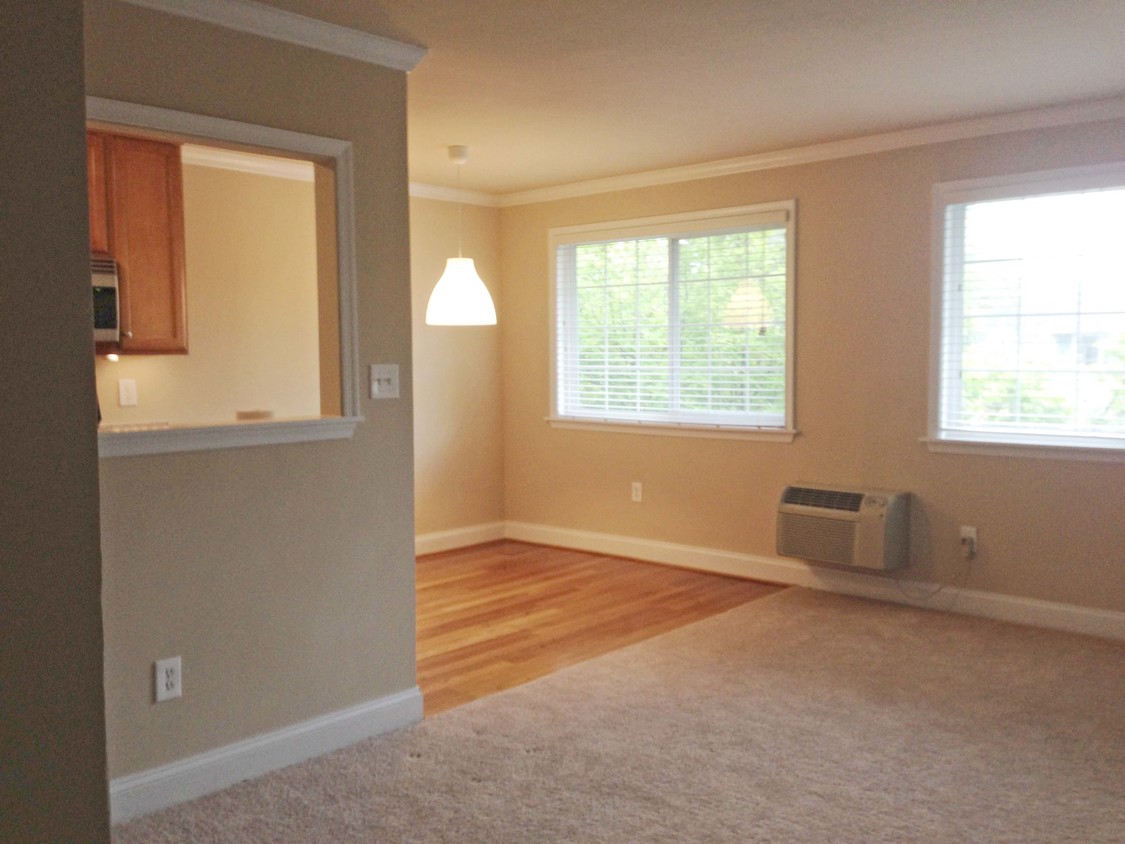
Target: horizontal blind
684, 329
1033, 319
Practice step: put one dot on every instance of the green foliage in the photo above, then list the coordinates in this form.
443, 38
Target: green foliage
1113, 383
1007, 399
1090, 402
692, 325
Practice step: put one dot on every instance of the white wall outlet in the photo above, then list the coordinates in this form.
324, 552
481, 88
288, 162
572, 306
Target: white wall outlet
169, 679
384, 380
968, 542
127, 392
636, 491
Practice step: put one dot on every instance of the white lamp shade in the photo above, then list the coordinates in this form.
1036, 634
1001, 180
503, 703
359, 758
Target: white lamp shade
460, 297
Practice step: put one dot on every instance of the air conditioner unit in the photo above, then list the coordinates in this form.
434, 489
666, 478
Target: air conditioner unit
859, 528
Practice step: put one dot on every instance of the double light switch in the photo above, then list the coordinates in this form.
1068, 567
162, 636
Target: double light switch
384, 380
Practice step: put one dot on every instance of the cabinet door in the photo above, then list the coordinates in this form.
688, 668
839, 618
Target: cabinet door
96, 186
146, 230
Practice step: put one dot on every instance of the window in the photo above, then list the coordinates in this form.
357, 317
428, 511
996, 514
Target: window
1030, 316
337, 358
680, 322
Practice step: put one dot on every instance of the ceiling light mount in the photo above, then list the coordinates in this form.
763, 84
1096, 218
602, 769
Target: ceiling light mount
459, 155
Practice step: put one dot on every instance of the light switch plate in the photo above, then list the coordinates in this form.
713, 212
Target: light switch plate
384, 380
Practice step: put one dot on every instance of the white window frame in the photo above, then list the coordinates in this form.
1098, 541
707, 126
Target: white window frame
940, 439
164, 440
672, 225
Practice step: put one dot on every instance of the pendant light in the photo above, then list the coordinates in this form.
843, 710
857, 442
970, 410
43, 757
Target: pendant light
460, 297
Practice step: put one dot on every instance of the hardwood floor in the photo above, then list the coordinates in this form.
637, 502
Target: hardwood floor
498, 615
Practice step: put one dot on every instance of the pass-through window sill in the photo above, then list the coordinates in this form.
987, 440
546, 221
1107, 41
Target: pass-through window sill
161, 438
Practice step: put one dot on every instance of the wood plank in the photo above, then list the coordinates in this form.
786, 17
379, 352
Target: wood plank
497, 615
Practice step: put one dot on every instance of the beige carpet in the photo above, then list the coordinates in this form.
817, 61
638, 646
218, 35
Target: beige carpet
801, 717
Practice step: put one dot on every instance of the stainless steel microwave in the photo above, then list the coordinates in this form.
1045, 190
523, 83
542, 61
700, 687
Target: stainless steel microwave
107, 312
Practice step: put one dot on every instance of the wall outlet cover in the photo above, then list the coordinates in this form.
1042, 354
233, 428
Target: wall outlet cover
127, 392
168, 676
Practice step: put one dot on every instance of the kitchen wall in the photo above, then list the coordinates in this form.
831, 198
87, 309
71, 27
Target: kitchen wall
283, 575
52, 732
458, 395
1049, 529
251, 279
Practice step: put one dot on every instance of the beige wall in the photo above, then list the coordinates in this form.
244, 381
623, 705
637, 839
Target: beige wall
283, 575
52, 734
458, 396
1049, 529
251, 278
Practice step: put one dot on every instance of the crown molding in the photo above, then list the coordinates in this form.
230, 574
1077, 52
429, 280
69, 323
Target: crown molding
420, 190
245, 162
279, 25
1044, 118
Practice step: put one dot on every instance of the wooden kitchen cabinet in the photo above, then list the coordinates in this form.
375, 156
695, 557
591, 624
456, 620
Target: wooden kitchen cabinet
95, 175
144, 233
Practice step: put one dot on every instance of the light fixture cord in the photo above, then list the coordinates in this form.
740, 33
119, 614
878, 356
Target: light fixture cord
460, 215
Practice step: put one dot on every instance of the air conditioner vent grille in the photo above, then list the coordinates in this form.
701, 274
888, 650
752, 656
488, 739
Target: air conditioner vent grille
831, 499
816, 538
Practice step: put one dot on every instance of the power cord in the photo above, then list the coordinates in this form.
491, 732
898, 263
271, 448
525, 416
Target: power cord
968, 554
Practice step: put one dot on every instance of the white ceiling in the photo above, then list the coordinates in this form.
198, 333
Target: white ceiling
550, 92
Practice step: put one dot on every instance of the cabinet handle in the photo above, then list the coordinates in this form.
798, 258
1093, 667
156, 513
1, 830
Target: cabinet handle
128, 334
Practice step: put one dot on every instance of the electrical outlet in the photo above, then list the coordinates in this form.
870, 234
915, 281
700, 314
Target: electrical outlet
968, 542
127, 392
637, 491
169, 679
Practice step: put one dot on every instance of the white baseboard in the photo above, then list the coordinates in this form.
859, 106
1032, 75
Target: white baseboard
447, 540
186, 779
1077, 619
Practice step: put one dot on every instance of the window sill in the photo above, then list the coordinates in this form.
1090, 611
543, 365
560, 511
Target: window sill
1026, 450
133, 440
723, 432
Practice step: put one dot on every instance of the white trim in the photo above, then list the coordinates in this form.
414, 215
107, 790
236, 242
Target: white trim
420, 190
1044, 118
463, 537
187, 779
771, 214
202, 127
247, 162
1034, 183
1109, 624
715, 432
279, 25
947, 445
346, 274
